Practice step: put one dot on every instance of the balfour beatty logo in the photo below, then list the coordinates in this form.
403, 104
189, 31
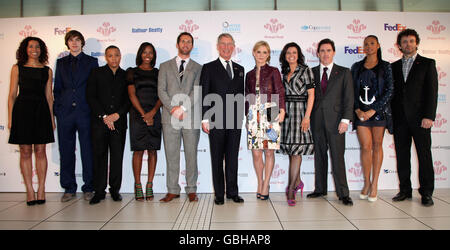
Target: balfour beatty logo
395, 27
150, 30
357, 50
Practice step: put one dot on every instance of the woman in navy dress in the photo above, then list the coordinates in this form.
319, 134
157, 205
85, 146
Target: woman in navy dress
372, 78
30, 114
145, 116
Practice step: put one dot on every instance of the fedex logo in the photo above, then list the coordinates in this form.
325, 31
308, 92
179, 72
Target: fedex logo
357, 50
396, 27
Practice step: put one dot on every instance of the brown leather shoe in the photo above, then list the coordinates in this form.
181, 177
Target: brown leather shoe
193, 197
169, 197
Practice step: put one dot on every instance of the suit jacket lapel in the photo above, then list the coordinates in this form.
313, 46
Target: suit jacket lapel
68, 68
174, 67
186, 86
334, 73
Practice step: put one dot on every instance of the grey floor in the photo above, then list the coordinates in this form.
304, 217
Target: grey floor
180, 214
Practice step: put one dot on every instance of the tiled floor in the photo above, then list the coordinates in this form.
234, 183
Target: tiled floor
180, 214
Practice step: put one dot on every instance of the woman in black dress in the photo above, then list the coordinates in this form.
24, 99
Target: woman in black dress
145, 116
30, 114
374, 87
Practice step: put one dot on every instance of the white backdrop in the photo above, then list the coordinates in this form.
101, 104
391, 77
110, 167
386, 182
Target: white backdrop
307, 28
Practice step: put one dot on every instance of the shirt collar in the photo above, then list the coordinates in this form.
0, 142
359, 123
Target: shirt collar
330, 66
413, 57
77, 57
186, 61
223, 61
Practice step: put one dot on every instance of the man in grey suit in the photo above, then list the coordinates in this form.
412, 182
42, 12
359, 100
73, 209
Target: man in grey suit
330, 117
178, 80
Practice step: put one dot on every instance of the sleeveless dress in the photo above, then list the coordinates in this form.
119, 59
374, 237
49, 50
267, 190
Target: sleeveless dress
31, 121
261, 133
143, 137
293, 140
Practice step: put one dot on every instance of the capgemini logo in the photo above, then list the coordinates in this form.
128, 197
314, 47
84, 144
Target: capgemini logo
274, 26
439, 121
106, 29
439, 168
28, 31
277, 171
356, 26
189, 26
436, 27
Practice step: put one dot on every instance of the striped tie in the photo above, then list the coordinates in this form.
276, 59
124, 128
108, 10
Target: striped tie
181, 72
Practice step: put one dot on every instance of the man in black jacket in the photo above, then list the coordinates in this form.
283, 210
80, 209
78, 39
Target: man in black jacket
107, 96
414, 110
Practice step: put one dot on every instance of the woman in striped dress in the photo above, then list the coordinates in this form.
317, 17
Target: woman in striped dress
296, 137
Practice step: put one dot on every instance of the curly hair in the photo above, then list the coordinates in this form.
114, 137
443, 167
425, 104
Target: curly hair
22, 56
407, 32
284, 64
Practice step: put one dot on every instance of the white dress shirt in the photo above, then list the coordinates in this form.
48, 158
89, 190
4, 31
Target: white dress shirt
224, 63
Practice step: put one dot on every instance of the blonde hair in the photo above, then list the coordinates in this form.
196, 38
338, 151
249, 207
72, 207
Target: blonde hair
262, 43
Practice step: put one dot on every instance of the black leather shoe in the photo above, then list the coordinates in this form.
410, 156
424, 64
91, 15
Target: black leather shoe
237, 199
96, 199
427, 201
315, 195
40, 202
219, 201
116, 196
402, 196
347, 201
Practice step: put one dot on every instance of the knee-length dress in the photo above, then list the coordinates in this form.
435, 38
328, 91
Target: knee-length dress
261, 133
293, 140
143, 137
31, 121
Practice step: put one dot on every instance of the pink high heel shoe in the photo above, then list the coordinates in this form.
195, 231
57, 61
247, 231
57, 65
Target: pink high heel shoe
292, 203
300, 187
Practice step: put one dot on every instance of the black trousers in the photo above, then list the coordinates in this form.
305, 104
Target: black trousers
224, 143
404, 132
324, 140
105, 141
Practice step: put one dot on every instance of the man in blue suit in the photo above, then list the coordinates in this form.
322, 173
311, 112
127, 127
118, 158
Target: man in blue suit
73, 114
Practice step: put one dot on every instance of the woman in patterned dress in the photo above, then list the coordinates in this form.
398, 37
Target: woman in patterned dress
265, 94
296, 137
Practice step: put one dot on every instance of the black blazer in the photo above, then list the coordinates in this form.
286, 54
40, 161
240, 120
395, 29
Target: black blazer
214, 79
337, 102
417, 98
70, 88
108, 94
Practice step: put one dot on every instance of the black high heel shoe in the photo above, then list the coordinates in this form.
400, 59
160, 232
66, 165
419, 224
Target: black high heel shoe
40, 202
31, 203
265, 197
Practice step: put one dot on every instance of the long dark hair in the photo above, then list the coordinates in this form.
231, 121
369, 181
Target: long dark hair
284, 64
379, 49
22, 56
141, 50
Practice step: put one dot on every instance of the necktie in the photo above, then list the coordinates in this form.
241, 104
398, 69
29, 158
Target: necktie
74, 64
181, 71
324, 81
229, 70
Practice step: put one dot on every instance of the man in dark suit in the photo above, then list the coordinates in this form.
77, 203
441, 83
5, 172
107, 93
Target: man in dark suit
222, 78
331, 114
73, 114
414, 110
107, 95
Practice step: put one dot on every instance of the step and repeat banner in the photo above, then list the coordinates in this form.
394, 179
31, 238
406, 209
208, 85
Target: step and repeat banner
307, 28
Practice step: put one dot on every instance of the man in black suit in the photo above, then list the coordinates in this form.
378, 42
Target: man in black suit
331, 114
413, 111
107, 96
223, 123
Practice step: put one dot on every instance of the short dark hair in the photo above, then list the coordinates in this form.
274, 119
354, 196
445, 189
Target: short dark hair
326, 41
185, 34
284, 64
407, 32
111, 47
21, 53
141, 50
74, 33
